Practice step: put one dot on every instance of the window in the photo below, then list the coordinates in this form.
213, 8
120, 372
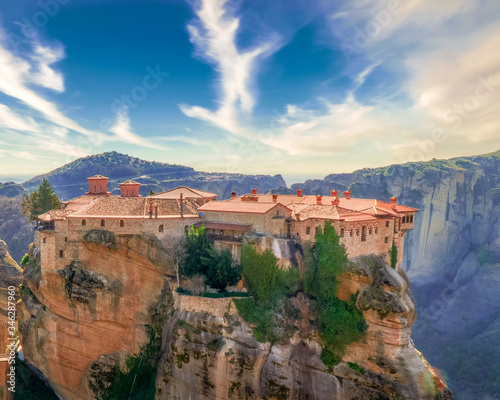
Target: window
387, 224
350, 233
122, 223
103, 223
84, 223
357, 232
44, 240
369, 231
363, 234
316, 230
376, 230
61, 254
387, 240
160, 228
411, 218
66, 239
341, 232
308, 230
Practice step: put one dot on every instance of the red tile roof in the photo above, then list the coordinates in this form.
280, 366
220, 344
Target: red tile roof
187, 193
98, 177
240, 207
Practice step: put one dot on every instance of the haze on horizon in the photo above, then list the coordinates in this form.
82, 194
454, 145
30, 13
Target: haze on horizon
299, 88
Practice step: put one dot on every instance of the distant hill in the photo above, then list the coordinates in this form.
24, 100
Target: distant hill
70, 180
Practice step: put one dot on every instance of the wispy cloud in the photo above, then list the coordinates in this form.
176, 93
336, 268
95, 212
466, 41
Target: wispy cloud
124, 133
214, 35
9, 119
16, 74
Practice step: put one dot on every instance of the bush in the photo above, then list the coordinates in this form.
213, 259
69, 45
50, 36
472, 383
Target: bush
201, 258
25, 260
269, 287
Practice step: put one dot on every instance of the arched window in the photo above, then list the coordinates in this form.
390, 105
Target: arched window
363, 234
316, 230
308, 230
84, 222
351, 233
357, 232
341, 232
122, 223
103, 223
369, 231
160, 228
376, 230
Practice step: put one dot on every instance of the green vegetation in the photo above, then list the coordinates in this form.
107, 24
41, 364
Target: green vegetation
393, 254
202, 258
269, 287
40, 201
340, 322
356, 367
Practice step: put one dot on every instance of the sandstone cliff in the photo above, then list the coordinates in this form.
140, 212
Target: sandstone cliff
97, 305
10, 275
452, 258
82, 322
213, 355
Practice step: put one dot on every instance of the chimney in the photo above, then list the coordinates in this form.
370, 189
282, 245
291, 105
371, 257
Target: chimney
347, 195
334, 193
182, 206
319, 199
275, 198
335, 201
299, 192
254, 191
394, 200
233, 194
98, 185
129, 189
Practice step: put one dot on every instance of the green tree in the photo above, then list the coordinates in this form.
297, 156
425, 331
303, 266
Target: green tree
40, 201
393, 254
219, 270
151, 192
260, 273
198, 245
340, 322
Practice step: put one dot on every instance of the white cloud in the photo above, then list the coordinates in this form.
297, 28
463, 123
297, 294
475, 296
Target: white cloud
11, 120
26, 155
123, 131
46, 76
16, 74
214, 35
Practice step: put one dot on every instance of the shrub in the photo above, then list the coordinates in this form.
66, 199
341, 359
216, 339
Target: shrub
269, 287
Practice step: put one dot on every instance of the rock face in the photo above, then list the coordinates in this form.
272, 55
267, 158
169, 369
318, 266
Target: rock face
214, 355
10, 275
78, 324
452, 258
97, 305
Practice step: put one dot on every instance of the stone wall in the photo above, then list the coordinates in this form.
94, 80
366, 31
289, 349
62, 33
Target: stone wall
215, 307
267, 223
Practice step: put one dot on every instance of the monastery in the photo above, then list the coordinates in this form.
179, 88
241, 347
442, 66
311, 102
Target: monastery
365, 226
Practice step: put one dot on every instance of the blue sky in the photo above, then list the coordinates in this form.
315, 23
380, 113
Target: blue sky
301, 88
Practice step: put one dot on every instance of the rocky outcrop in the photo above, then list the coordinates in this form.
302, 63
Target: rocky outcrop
452, 257
97, 305
10, 276
216, 357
